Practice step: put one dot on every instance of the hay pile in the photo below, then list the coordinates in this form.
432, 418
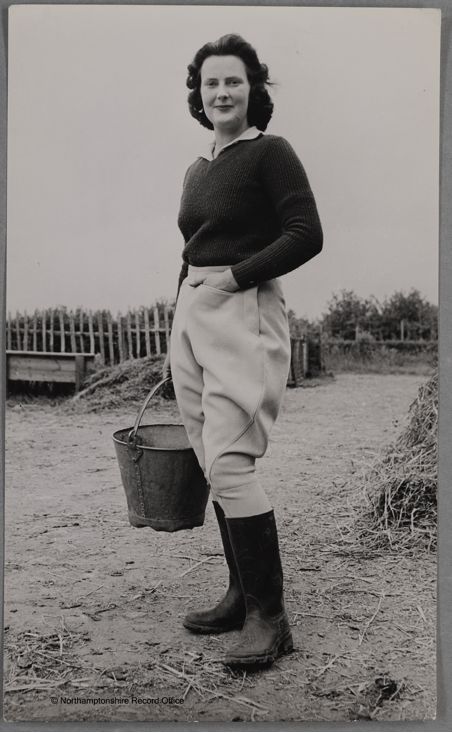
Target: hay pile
121, 385
401, 486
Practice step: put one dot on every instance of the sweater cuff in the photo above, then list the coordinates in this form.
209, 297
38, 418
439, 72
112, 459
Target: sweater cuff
243, 275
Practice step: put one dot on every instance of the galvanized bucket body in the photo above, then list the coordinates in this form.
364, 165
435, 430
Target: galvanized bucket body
164, 484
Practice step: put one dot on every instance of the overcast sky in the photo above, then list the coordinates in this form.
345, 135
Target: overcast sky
100, 138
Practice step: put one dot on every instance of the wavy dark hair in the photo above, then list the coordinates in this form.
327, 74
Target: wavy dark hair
260, 105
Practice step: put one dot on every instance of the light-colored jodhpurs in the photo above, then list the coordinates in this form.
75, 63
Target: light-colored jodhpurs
230, 358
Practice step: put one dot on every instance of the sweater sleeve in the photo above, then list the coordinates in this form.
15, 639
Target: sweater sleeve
286, 184
184, 269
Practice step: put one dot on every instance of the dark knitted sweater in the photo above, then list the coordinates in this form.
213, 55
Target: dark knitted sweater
252, 208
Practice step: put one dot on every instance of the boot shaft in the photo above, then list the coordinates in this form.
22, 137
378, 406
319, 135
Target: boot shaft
227, 547
255, 545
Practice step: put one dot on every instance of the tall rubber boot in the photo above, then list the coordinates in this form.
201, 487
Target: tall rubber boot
229, 613
266, 633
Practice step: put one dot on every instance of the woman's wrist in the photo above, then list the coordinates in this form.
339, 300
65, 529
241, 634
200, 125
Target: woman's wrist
233, 282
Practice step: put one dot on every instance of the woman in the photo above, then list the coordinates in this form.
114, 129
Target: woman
247, 216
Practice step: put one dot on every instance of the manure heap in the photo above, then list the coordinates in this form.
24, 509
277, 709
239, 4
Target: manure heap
121, 385
402, 484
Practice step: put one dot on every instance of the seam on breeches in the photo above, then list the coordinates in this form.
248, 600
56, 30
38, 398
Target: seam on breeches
247, 427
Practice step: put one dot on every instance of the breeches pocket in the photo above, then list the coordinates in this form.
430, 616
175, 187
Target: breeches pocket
229, 315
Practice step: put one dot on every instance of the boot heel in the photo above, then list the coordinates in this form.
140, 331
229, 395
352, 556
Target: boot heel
286, 646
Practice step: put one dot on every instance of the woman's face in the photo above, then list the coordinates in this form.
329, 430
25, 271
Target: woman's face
225, 91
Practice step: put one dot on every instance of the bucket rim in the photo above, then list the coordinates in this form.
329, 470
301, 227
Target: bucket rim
151, 447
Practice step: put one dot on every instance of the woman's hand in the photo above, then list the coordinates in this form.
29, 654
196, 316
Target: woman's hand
220, 280
166, 368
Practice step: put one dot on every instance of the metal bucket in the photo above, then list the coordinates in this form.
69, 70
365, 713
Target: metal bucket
164, 484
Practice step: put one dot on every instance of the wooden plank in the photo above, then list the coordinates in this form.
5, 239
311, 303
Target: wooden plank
146, 332
9, 335
47, 367
91, 332
19, 373
137, 333
110, 339
25, 341
49, 364
167, 327
40, 355
120, 338
62, 334
35, 331
18, 338
129, 335
72, 331
100, 331
51, 330
44, 329
157, 330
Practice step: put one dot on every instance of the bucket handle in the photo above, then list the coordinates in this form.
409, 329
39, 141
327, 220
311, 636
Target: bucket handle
133, 433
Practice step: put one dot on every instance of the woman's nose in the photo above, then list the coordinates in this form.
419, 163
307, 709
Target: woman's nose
222, 92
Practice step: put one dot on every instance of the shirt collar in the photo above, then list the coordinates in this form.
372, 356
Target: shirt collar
249, 134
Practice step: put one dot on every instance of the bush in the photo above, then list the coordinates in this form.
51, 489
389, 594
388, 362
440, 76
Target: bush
369, 355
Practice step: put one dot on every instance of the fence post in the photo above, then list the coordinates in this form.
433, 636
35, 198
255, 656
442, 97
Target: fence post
136, 313
167, 328
18, 339
72, 331
100, 331
62, 334
92, 345
146, 332
305, 352
120, 338
129, 335
44, 329
25, 341
51, 324
9, 334
157, 330
110, 339
81, 324
35, 330
296, 362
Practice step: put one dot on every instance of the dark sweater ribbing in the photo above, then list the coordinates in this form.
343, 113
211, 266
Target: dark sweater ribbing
252, 208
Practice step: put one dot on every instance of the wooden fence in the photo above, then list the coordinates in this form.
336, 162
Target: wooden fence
146, 332
141, 332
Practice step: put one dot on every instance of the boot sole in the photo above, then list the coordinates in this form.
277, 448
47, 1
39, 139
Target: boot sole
203, 629
284, 646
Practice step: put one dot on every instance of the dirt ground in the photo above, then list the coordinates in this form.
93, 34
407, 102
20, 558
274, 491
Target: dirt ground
93, 607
